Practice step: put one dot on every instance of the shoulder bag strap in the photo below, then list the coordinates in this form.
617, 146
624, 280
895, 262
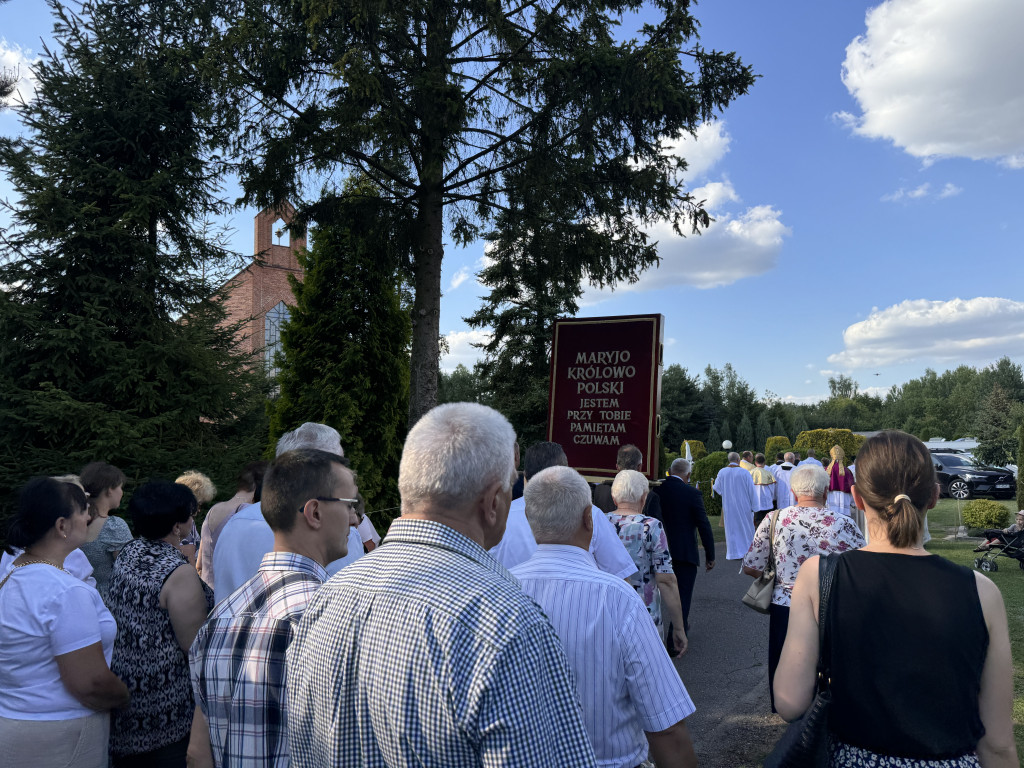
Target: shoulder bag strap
215, 534
770, 566
826, 578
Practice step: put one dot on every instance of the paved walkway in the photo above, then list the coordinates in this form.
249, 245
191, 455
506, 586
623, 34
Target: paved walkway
726, 671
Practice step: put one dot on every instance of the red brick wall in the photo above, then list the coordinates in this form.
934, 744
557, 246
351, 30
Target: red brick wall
261, 285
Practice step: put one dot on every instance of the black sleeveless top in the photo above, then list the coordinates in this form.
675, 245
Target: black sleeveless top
908, 643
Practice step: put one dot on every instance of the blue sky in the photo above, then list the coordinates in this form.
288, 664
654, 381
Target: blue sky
868, 195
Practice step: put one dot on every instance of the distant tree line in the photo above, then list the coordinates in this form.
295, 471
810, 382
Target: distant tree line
985, 403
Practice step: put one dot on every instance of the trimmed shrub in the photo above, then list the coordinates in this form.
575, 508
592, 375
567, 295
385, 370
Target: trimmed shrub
822, 440
776, 444
985, 513
666, 462
704, 472
697, 449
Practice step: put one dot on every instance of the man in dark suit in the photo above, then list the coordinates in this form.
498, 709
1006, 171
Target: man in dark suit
683, 516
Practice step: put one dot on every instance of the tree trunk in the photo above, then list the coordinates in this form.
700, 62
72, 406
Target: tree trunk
426, 307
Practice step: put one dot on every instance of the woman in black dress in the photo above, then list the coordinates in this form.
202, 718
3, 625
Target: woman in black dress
918, 647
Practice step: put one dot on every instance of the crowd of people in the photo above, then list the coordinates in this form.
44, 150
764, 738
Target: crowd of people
484, 629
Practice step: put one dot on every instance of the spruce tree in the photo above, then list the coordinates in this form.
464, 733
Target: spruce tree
714, 442
745, 434
345, 347
726, 432
112, 347
778, 429
442, 103
762, 431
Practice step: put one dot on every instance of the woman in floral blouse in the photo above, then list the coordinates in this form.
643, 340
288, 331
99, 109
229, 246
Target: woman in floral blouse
806, 529
644, 539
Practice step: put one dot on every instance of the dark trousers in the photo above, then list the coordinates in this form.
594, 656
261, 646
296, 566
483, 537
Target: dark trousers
778, 623
169, 756
759, 516
686, 577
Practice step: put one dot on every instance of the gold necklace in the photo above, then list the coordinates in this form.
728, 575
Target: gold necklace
42, 561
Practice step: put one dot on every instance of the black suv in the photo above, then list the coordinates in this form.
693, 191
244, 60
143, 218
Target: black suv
962, 477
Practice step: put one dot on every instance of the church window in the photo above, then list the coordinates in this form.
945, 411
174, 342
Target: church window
272, 323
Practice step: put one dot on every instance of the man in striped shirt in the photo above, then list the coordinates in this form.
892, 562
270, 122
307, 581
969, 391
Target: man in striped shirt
425, 652
633, 699
238, 658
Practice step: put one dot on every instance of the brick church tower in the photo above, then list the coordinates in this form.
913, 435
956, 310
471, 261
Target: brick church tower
259, 295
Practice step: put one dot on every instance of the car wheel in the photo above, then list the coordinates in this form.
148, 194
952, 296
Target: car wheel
959, 489
986, 566
977, 563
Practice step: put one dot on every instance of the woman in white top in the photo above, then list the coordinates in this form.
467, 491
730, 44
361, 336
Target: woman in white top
57, 640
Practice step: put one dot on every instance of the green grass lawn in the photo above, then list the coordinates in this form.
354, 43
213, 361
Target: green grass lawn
942, 521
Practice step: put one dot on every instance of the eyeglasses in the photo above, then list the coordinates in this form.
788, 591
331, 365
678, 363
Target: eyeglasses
351, 502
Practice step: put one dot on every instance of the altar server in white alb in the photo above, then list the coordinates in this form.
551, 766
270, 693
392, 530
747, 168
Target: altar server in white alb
739, 503
633, 700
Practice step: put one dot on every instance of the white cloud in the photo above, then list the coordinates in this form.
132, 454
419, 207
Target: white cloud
827, 372
670, 342
921, 191
875, 391
941, 79
703, 152
804, 399
14, 58
739, 243
733, 247
715, 194
459, 278
969, 330
461, 349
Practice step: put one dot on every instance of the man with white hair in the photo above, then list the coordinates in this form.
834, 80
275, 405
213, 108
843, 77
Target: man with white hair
739, 503
518, 544
684, 518
426, 651
246, 537
783, 481
633, 699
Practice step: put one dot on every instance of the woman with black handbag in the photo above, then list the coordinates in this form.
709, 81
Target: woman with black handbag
804, 529
918, 648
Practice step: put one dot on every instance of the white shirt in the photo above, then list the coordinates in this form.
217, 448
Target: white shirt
77, 564
518, 545
46, 613
811, 460
783, 494
626, 680
367, 532
243, 542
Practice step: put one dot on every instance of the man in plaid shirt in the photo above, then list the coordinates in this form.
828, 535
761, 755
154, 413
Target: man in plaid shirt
426, 652
238, 658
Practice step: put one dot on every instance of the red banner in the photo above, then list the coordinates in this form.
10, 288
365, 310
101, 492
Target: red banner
606, 390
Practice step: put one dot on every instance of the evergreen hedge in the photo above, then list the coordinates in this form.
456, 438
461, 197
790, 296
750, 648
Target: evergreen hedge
697, 449
776, 444
985, 513
822, 440
704, 472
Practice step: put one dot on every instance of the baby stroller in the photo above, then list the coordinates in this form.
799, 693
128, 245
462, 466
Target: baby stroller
1013, 549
